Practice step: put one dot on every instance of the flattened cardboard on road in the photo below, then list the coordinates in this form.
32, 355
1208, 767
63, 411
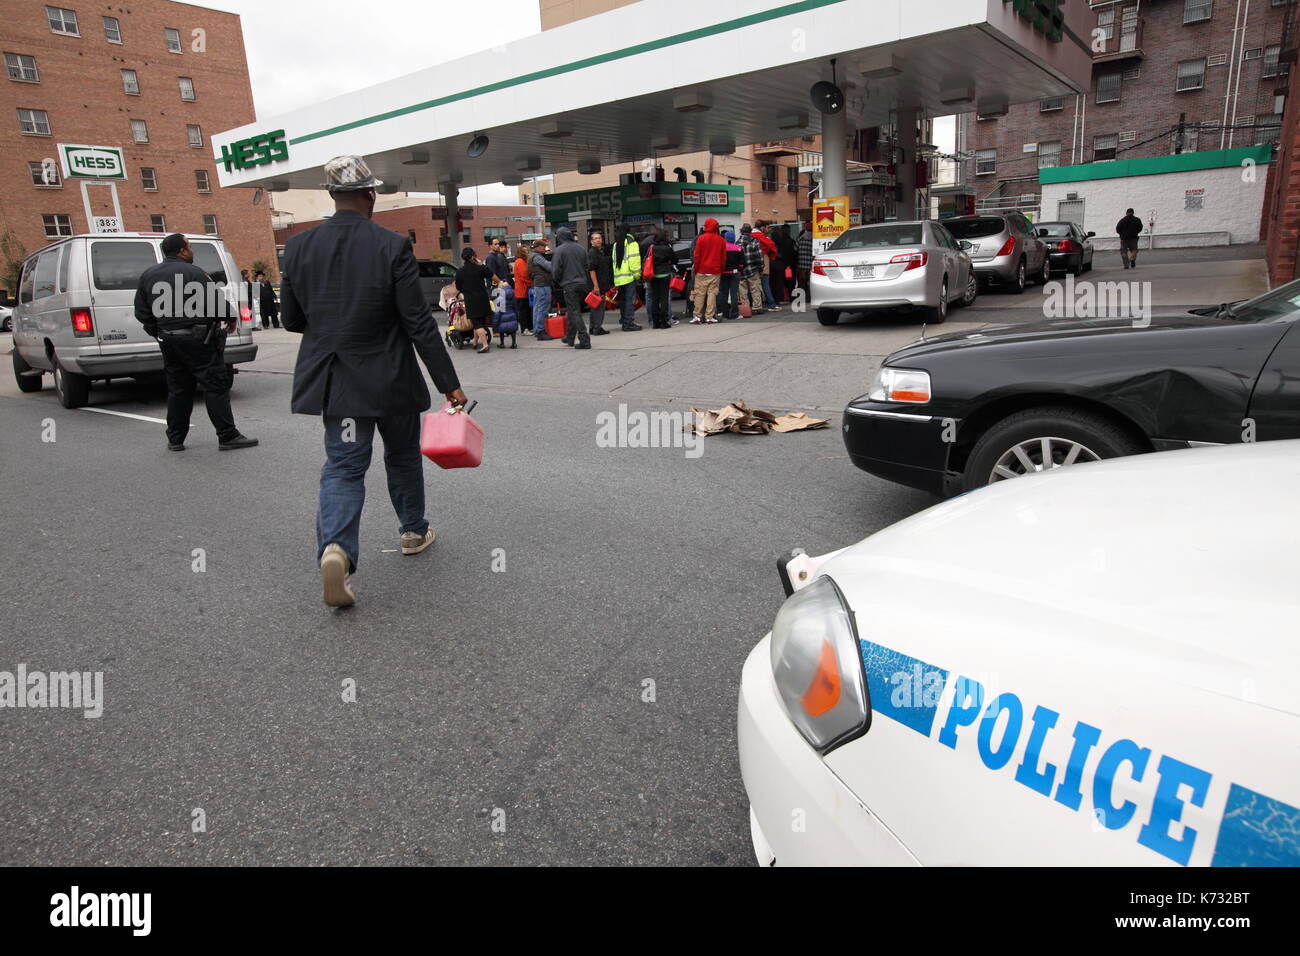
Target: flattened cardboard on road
742, 420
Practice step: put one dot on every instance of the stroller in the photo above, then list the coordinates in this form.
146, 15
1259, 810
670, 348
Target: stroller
460, 330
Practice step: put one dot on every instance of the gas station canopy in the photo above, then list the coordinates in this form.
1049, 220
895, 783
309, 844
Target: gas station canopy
664, 77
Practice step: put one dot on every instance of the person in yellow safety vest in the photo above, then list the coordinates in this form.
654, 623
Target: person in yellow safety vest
626, 256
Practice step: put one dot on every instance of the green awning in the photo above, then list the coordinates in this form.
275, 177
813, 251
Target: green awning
1155, 165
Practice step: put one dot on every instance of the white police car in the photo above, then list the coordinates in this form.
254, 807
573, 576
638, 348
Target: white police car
1094, 665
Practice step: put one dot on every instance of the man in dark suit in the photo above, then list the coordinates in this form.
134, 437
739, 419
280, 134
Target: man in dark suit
267, 300
353, 289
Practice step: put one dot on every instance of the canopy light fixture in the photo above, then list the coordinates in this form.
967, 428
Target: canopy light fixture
797, 120
993, 106
881, 66
722, 147
418, 157
528, 164
957, 95
279, 186
556, 129
513, 179
665, 144
387, 189
693, 101
588, 167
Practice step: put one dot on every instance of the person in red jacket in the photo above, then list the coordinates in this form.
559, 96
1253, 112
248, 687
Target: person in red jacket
708, 259
769, 253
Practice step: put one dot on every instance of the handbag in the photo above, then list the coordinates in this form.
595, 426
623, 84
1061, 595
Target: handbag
648, 270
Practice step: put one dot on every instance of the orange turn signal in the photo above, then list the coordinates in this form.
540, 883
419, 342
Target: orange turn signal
823, 691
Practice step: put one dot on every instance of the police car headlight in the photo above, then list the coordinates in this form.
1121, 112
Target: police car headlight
900, 385
818, 667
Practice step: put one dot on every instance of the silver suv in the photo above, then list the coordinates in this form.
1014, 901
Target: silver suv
1004, 249
75, 316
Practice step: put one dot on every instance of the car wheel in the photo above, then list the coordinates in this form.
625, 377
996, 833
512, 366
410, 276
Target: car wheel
938, 313
828, 316
73, 389
1040, 439
1078, 266
1018, 282
26, 383
972, 290
1045, 276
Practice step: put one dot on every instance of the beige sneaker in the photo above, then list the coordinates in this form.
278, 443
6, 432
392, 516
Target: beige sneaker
413, 543
335, 581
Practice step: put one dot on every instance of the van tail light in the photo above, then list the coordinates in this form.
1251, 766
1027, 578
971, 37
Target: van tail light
819, 266
914, 260
245, 313
1008, 247
83, 326
1065, 246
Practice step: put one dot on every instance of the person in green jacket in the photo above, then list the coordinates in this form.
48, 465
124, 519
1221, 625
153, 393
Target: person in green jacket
626, 255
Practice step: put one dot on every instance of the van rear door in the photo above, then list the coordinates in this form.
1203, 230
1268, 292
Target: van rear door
212, 256
115, 267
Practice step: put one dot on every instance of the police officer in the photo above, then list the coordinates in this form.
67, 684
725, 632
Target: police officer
180, 305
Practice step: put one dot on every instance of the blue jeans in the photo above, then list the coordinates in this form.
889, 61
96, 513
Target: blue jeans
627, 303
650, 300
541, 306
343, 479
768, 301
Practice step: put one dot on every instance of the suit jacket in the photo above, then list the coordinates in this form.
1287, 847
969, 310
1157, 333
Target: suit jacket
353, 289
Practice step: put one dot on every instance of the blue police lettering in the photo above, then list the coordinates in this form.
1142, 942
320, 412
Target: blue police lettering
1167, 809
972, 693
997, 759
1028, 772
1103, 781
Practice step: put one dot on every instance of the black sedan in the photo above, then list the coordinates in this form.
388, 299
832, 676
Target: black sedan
1069, 248
952, 413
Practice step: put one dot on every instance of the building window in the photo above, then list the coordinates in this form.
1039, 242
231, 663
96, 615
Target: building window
157, 223
21, 67
1051, 103
769, 177
1190, 141
792, 179
195, 134
187, 87
62, 21
491, 232
210, 225
1196, 11
57, 225
1106, 25
139, 131
47, 177
1191, 75
1268, 128
410, 235
173, 40
1105, 147
986, 162
34, 122
112, 30
201, 181
130, 82
149, 179
1108, 86
1271, 66
1049, 155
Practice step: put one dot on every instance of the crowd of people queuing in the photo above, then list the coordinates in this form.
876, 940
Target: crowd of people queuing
724, 276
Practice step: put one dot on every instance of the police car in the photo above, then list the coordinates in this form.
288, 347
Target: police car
1093, 665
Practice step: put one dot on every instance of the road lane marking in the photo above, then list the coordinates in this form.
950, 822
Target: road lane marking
109, 411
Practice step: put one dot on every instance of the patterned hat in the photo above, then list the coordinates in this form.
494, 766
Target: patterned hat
349, 172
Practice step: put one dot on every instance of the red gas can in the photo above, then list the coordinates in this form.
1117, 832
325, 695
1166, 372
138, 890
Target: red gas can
555, 325
451, 439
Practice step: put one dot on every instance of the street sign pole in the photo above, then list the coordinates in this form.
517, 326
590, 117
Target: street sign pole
85, 201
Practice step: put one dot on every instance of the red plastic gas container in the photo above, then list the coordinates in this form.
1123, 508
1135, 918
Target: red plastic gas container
555, 325
451, 439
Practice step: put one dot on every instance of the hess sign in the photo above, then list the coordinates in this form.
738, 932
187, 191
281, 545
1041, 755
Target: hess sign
255, 151
1045, 16
92, 162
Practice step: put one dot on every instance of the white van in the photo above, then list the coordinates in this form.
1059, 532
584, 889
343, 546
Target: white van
75, 316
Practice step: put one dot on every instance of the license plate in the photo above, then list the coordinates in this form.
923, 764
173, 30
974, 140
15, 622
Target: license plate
863, 272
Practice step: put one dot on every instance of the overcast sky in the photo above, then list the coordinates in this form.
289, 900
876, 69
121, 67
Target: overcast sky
303, 51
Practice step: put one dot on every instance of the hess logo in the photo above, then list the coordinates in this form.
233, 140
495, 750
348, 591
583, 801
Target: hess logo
97, 162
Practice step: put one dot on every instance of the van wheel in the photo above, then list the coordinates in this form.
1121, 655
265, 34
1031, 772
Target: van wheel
26, 383
73, 389
828, 316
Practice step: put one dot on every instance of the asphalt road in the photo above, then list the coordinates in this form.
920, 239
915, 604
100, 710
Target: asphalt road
518, 691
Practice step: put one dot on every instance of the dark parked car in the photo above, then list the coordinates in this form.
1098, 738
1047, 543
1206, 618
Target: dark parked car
1068, 246
963, 410
434, 274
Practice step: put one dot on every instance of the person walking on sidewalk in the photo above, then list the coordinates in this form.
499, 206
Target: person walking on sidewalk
473, 279
708, 260
1128, 229
266, 298
352, 289
600, 273
569, 273
626, 256
539, 275
522, 284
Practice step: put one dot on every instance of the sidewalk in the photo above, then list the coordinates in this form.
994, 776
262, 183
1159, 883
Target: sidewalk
779, 361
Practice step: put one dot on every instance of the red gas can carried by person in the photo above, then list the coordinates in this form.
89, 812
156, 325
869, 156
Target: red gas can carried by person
451, 439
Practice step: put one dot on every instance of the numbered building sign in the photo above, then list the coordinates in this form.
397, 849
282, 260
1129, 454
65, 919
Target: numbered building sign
105, 224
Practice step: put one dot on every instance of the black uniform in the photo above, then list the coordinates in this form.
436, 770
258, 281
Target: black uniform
193, 346
270, 305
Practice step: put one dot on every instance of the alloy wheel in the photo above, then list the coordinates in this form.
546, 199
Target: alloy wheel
1040, 454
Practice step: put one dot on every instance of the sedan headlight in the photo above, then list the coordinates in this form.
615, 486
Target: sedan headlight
900, 385
818, 667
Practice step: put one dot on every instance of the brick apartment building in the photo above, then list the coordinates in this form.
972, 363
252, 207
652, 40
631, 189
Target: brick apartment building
1281, 219
154, 78
1214, 66
426, 225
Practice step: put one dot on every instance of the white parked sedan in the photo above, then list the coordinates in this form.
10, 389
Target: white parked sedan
1092, 665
